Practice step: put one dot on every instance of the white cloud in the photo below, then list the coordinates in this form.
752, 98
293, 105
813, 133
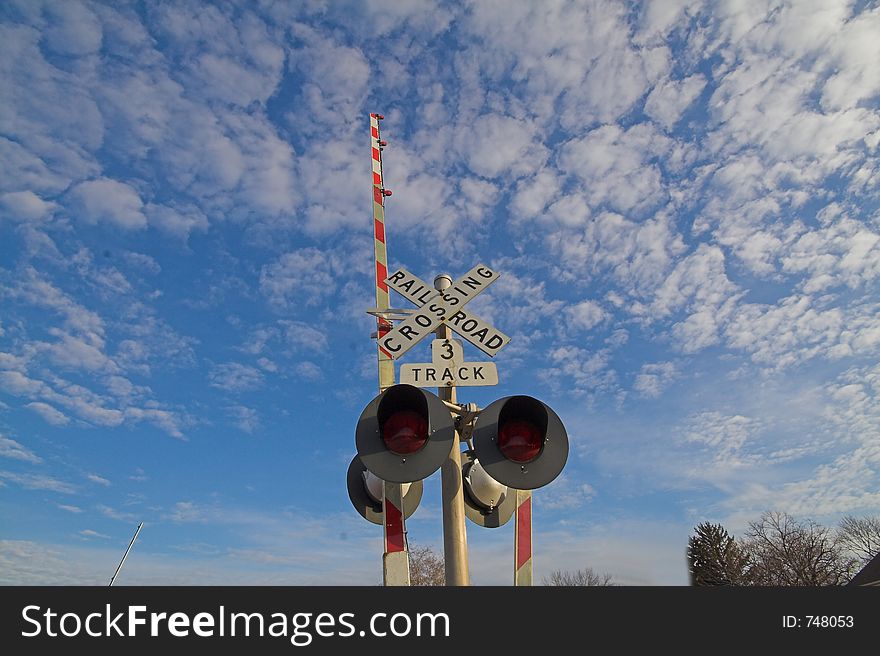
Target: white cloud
187, 511
37, 482
669, 99
72, 29
618, 168
338, 74
653, 378
25, 206
496, 145
848, 481
76, 353
246, 419
301, 277
71, 509
176, 221
167, 420
698, 280
579, 370
112, 513
143, 262
854, 50
533, 194
581, 69
309, 371
564, 493
106, 200
50, 414
585, 315
843, 251
9, 448
100, 480
89, 533
139, 476
302, 336
638, 256
659, 18
36, 289
724, 436
17, 383
326, 173
235, 377
798, 329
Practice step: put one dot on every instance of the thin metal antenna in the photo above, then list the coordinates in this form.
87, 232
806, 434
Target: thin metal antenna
130, 544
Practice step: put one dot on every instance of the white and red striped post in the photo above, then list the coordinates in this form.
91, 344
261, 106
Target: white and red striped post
522, 550
395, 562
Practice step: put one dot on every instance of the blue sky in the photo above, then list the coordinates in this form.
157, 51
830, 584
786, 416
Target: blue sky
681, 197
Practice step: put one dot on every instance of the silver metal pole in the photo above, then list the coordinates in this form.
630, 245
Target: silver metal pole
125, 555
454, 534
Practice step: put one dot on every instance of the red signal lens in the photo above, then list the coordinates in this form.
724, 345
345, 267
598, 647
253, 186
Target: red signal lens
520, 440
405, 432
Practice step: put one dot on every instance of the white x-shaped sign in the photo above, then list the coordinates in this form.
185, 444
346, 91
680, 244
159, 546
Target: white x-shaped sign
436, 307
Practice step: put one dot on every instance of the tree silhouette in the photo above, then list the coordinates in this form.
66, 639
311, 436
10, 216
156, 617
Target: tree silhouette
785, 551
715, 557
425, 567
860, 537
584, 576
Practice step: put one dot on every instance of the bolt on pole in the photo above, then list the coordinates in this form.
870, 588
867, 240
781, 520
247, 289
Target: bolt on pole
454, 534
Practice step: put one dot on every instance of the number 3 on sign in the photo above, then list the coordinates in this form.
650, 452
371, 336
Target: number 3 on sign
447, 351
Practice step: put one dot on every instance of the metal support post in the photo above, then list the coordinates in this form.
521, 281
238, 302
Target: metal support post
454, 533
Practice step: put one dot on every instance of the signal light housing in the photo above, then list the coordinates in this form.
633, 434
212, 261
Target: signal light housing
520, 442
404, 434
487, 502
366, 503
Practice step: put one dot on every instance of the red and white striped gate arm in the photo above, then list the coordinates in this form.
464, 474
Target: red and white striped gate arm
522, 551
395, 562
386, 363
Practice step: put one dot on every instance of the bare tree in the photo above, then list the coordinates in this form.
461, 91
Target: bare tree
860, 537
426, 567
784, 551
581, 577
715, 558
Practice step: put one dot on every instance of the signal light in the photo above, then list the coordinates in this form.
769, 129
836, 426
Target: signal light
386, 192
378, 116
487, 502
520, 442
365, 493
404, 434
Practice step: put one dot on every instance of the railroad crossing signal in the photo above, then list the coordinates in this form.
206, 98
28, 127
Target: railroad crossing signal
436, 307
487, 502
520, 442
366, 494
404, 434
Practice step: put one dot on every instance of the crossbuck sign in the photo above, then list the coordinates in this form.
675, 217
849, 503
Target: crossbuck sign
436, 307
